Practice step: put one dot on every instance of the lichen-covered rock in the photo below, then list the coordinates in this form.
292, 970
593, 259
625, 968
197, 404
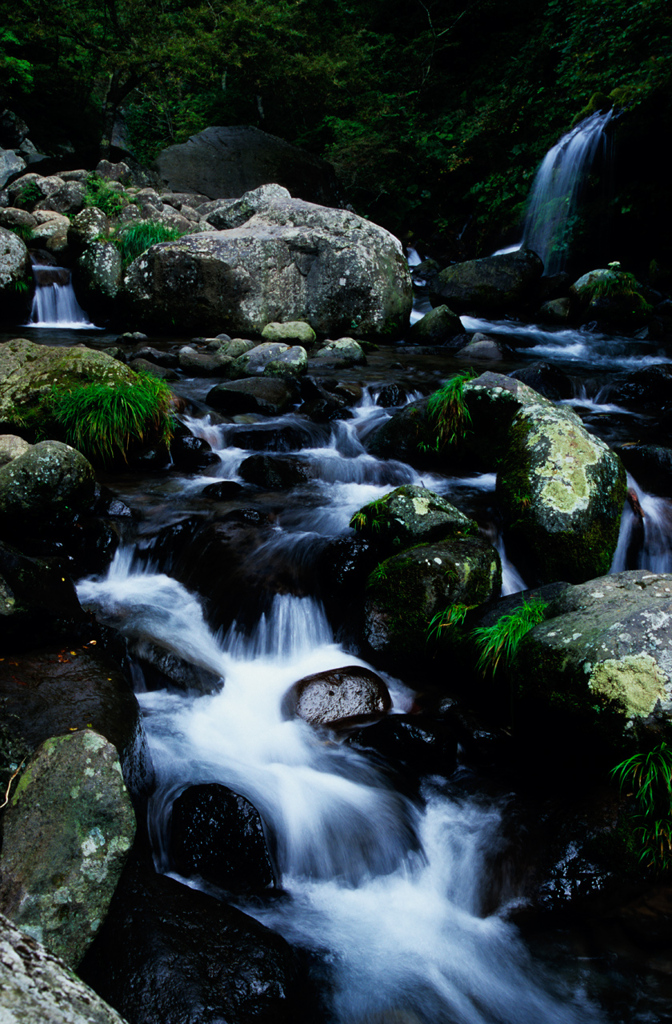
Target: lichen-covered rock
291, 260
86, 227
289, 365
407, 590
28, 372
435, 327
100, 272
66, 836
11, 447
410, 515
562, 492
14, 261
341, 353
603, 657
294, 331
338, 696
37, 986
490, 285
51, 480
612, 296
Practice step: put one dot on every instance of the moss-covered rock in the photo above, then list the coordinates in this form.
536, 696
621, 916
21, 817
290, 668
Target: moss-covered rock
410, 515
50, 481
603, 658
66, 837
562, 492
406, 591
494, 284
28, 372
613, 296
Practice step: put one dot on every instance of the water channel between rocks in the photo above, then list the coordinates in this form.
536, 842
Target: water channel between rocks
393, 894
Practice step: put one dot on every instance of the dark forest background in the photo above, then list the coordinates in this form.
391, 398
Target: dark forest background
435, 113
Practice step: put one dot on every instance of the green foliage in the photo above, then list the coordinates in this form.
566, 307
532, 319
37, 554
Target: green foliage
451, 617
649, 774
104, 421
369, 517
136, 239
14, 71
500, 641
99, 194
447, 410
29, 194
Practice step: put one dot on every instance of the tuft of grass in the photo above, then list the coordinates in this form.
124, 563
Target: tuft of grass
500, 641
99, 193
370, 516
137, 238
447, 410
649, 774
453, 615
103, 421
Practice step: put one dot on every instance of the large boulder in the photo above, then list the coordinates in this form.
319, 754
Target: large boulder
37, 986
494, 284
223, 162
66, 836
602, 660
99, 277
291, 260
14, 273
28, 372
561, 491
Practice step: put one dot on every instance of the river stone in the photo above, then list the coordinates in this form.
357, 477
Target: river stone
256, 359
275, 472
561, 491
50, 479
547, 380
163, 668
37, 986
229, 161
603, 658
340, 354
219, 835
173, 954
337, 697
494, 284
294, 331
407, 590
13, 217
649, 464
410, 515
291, 260
34, 594
66, 835
268, 396
100, 272
288, 365
14, 261
28, 371
435, 327
11, 164
68, 198
483, 347
204, 364
11, 447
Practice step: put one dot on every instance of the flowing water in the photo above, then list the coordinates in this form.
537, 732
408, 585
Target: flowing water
54, 301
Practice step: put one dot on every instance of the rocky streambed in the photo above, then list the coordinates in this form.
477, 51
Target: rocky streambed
338, 815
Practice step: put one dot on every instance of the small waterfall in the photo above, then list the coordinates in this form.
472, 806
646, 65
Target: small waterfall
54, 302
557, 189
645, 538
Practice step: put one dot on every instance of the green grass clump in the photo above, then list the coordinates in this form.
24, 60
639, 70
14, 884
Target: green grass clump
500, 641
650, 776
99, 194
447, 410
103, 421
137, 238
453, 615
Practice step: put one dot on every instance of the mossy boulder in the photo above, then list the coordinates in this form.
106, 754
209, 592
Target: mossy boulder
410, 515
406, 591
561, 491
602, 660
494, 284
612, 296
66, 836
50, 481
29, 371
296, 331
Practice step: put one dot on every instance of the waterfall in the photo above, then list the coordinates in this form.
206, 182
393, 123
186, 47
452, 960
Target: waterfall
54, 302
557, 189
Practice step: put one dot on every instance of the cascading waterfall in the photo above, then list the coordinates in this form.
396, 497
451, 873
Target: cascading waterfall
557, 189
645, 538
54, 302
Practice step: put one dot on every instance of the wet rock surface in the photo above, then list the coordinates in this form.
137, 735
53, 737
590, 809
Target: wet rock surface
337, 697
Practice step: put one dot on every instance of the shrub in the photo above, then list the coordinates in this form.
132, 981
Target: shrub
137, 238
650, 776
500, 641
104, 421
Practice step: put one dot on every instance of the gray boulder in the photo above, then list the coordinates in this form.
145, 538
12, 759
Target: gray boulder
11, 447
294, 331
100, 274
270, 397
86, 227
435, 327
603, 657
223, 162
11, 164
340, 354
490, 285
291, 260
336, 697
14, 262
66, 836
37, 986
